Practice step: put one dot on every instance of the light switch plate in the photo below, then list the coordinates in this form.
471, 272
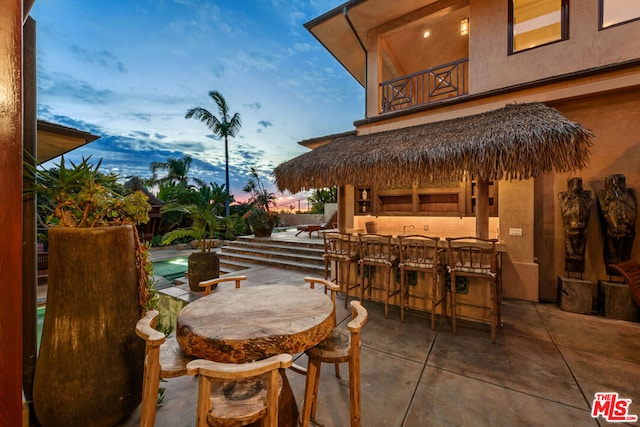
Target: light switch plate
515, 232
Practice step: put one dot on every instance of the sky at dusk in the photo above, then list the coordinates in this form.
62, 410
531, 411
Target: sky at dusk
128, 72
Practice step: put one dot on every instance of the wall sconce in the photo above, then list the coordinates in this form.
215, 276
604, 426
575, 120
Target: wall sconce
464, 27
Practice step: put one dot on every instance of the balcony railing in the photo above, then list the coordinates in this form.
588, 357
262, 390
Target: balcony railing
434, 84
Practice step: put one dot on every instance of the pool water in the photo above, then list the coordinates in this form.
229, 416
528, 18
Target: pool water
39, 323
171, 269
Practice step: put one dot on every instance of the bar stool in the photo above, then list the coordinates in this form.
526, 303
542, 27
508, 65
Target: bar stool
377, 250
475, 257
340, 248
421, 254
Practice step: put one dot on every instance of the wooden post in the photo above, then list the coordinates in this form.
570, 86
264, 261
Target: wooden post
482, 208
29, 264
11, 212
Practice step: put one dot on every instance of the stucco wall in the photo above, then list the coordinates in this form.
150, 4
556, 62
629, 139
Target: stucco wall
614, 120
490, 67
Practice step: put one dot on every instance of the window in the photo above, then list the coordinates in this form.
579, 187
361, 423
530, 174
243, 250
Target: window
615, 12
534, 23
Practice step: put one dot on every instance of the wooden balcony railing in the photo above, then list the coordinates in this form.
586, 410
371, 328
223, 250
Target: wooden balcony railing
434, 84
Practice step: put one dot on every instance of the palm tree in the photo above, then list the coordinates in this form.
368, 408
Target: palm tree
223, 127
177, 170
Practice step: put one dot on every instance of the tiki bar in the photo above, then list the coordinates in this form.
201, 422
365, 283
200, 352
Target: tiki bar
440, 180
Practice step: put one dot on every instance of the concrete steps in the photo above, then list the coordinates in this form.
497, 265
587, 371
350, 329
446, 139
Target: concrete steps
248, 251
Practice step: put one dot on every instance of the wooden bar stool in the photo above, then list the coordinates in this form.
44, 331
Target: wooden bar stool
475, 258
340, 248
377, 250
163, 359
340, 346
421, 254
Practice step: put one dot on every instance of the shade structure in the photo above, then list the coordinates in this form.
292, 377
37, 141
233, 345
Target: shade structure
55, 140
518, 141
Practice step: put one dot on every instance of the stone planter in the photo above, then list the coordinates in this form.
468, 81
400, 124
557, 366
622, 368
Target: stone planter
202, 266
263, 230
90, 367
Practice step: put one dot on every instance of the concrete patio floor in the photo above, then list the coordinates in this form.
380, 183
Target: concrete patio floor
544, 369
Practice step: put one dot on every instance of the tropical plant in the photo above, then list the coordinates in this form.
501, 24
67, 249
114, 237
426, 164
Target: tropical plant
82, 197
259, 216
260, 197
322, 196
215, 195
177, 171
204, 225
224, 126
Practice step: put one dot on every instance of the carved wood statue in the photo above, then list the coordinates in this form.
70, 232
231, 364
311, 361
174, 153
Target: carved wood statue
618, 208
575, 206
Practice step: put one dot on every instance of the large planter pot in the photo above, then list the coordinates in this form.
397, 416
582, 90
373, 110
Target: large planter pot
202, 266
91, 363
262, 229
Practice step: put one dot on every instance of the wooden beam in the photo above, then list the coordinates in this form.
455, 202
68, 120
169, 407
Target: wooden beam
29, 264
11, 212
482, 209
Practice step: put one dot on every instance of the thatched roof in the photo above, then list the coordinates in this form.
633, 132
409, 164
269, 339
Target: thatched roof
518, 141
136, 184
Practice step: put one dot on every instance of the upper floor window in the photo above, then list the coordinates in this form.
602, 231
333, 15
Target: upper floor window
534, 23
614, 12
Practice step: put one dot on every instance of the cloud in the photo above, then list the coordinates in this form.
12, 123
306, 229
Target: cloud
260, 61
100, 57
139, 133
254, 106
141, 116
61, 85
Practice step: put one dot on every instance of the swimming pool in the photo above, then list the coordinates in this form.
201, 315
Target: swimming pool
171, 269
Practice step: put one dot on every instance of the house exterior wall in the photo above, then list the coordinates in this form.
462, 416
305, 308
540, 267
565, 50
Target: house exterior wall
491, 68
613, 118
593, 78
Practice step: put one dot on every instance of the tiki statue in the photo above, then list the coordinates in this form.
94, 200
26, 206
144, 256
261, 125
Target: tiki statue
575, 206
618, 210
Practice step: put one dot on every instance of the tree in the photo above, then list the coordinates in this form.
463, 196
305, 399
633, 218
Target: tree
322, 196
177, 170
215, 195
260, 196
224, 127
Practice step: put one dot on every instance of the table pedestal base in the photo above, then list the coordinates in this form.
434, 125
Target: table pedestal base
287, 406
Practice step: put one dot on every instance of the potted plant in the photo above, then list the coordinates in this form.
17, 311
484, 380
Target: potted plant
90, 365
203, 265
260, 217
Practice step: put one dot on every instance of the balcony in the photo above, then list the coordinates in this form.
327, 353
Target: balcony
424, 87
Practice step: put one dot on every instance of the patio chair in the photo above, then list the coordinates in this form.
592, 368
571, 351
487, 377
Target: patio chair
163, 359
208, 284
231, 394
341, 249
332, 288
474, 257
311, 228
339, 347
377, 251
421, 254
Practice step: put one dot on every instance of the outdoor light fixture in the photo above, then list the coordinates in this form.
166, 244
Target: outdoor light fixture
464, 27
426, 34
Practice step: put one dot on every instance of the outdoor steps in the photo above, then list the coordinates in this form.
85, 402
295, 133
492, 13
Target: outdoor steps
248, 251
